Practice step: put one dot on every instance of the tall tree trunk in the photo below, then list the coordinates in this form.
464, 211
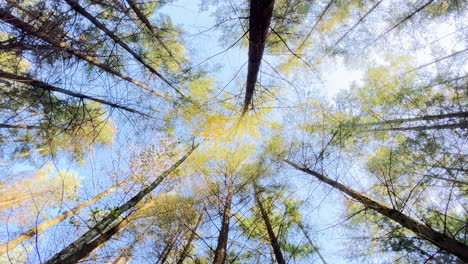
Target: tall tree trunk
45, 36
17, 126
42, 85
271, 234
22, 155
81, 247
463, 125
186, 249
419, 118
79, 9
221, 247
168, 247
438, 239
316, 250
259, 23
10, 245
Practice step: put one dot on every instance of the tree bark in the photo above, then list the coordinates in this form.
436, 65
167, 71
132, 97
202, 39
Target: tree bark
19, 126
261, 12
81, 248
271, 234
12, 244
42, 85
32, 31
186, 249
76, 6
438, 239
316, 250
220, 252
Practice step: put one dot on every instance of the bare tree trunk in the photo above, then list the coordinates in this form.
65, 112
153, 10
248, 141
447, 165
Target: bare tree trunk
186, 249
10, 245
42, 85
32, 31
81, 247
316, 250
76, 6
259, 23
271, 234
424, 127
22, 155
168, 248
220, 252
419, 118
19, 126
438, 239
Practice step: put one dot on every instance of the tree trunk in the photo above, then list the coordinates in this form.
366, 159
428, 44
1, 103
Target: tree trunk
271, 234
186, 249
419, 118
22, 155
42, 85
19, 126
76, 6
306, 234
80, 248
220, 252
259, 22
438, 239
168, 248
32, 31
10, 245
462, 125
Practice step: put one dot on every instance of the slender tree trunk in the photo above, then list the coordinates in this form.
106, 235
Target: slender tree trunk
32, 31
10, 245
22, 155
21, 196
186, 249
463, 125
259, 23
419, 118
438, 239
316, 250
220, 252
81, 247
42, 85
271, 234
19, 126
168, 248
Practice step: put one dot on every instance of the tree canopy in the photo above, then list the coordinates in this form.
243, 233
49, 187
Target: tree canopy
261, 131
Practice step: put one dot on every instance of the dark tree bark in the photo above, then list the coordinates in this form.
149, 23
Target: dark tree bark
100, 232
259, 23
438, 239
271, 234
220, 252
45, 36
